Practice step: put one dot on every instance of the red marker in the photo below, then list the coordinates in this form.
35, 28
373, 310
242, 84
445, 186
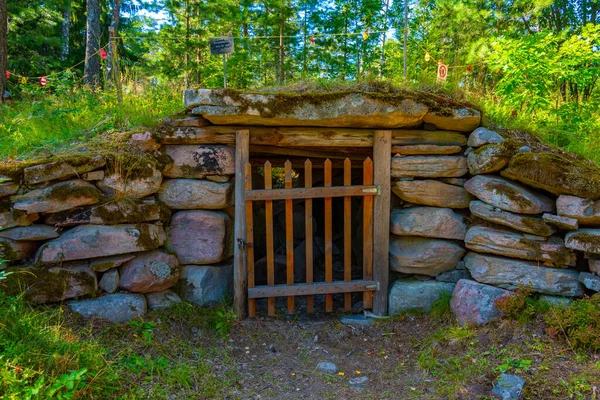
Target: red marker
469, 68
7, 74
103, 54
43, 81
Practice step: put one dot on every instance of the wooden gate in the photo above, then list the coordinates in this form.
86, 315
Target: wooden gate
375, 226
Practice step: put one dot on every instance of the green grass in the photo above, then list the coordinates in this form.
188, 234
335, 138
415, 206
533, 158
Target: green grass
43, 123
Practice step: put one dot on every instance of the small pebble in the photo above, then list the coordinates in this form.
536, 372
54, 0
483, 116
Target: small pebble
359, 380
327, 367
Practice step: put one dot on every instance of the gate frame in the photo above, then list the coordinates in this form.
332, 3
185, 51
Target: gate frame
382, 156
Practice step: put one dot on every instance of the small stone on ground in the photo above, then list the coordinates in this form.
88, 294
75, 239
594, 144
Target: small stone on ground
327, 367
356, 320
509, 387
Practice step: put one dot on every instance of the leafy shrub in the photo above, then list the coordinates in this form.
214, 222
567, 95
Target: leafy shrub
579, 324
519, 305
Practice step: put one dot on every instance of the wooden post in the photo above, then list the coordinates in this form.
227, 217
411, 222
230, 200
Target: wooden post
382, 147
240, 273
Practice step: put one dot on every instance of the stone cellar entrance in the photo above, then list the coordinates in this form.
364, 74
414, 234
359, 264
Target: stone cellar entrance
309, 227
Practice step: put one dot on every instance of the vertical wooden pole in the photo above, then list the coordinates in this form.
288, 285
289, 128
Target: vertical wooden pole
269, 231
249, 238
308, 220
240, 273
347, 233
289, 235
328, 239
368, 232
382, 150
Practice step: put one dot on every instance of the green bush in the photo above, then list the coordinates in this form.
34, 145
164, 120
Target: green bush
41, 359
579, 323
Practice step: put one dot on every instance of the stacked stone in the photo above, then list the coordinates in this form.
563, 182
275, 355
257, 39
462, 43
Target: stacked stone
429, 228
96, 229
526, 211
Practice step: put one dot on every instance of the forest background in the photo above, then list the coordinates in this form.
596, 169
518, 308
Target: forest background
531, 64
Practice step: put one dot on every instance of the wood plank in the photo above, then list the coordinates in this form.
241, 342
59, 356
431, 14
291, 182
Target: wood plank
249, 238
289, 237
308, 218
240, 272
306, 136
317, 152
269, 233
382, 148
424, 149
311, 193
305, 289
328, 238
368, 232
347, 233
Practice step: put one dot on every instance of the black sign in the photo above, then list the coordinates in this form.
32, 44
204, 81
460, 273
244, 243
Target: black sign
221, 45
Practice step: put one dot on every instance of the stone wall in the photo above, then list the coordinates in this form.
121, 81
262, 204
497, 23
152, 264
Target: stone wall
476, 212
115, 238
507, 211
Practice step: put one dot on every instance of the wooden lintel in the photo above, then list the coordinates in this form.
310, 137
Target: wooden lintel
311, 193
309, 136
310, 289
304, 152
298, 162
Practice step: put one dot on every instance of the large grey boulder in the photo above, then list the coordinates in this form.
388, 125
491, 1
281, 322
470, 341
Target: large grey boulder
199, 161
207, 284
509, 387
432, 193
161, 300
549, 250
429, 166
154, 271
193, 194
30, 233
487, 159
482, 136
509, 274
58, 197
412, 295
200, 237
520, 222
61, 169
116, 308
132, 183
428, 222
51, 284
585, 211
473, 303
110, 213
359, 110
90, 241
415, 255
587, 240
507, 195
461, 119
590, 281
12, 218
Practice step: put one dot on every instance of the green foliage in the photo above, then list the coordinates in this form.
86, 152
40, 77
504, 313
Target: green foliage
441, 307
578, 324
42, 359
519, 305
44, 123
514, 363
143, 330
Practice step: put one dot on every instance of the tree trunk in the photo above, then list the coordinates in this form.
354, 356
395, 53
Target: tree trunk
91, 70
187, 44
3, 47
281, 52
111, 72
382, 55
65, 29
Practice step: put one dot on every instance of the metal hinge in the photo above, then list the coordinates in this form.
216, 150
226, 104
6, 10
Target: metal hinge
375, 191
375, 287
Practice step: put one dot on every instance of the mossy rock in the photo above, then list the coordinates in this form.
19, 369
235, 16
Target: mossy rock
556, 173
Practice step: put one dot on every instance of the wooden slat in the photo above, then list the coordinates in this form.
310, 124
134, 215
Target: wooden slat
347, 233
249, 238
302, 152
368, 232
289, 236
269, 232
305, 289
328, 239
311, 193
382, 147
240, 273
308, 218
308, 136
